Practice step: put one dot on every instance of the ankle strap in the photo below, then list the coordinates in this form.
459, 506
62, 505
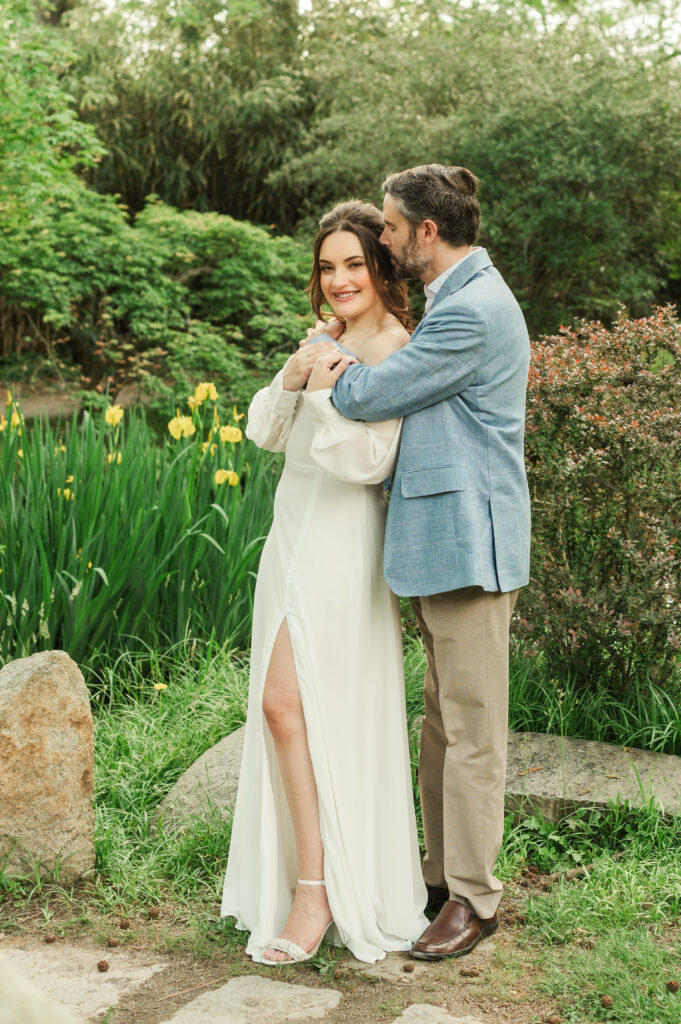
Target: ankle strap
306, 881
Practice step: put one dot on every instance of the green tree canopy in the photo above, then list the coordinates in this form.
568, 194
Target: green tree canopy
256, 111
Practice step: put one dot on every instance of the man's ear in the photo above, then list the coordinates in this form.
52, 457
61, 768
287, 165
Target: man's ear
429, 228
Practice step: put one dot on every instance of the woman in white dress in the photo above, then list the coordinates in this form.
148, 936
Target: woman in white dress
324, 834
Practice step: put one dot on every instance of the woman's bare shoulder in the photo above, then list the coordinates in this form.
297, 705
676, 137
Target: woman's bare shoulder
390, 339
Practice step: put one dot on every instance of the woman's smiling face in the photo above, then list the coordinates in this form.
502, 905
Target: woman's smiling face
344, 275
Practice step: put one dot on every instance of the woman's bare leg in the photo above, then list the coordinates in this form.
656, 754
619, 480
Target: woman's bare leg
283, 711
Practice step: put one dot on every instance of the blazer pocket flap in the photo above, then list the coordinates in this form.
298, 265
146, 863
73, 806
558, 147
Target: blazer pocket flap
421, 482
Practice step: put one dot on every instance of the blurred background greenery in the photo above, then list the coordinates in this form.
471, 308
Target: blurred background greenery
162, 167
252, 110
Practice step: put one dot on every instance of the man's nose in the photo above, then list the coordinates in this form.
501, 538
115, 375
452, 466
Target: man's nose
383, 238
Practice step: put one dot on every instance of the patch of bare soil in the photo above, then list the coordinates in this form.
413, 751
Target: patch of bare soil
492, 984
55, 399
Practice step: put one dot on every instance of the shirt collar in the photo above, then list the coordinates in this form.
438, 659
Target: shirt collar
433, 288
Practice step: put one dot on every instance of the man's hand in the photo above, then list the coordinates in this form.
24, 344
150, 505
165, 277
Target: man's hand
334, 328
327, 370
299, 367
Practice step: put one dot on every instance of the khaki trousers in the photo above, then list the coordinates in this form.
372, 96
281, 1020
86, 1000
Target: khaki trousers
462, 770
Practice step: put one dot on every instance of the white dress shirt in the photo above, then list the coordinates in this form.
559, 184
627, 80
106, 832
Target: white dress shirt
433, 288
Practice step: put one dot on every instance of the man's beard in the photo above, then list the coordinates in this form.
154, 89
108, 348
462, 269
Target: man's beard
411, 262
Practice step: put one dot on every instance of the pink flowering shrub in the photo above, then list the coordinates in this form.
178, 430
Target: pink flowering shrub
603, 453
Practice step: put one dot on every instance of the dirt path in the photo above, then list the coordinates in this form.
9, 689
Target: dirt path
144, 982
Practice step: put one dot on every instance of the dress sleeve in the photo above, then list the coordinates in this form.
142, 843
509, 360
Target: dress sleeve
354, 451
270, 415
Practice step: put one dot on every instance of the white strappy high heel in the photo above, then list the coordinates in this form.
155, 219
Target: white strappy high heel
297, 953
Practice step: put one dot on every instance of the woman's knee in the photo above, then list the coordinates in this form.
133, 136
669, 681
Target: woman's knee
282, 711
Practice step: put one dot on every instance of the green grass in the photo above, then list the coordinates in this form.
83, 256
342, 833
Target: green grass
643, 716
613, 931
143, 744
146, 737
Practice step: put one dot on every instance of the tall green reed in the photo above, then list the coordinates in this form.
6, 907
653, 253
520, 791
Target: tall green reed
110, 541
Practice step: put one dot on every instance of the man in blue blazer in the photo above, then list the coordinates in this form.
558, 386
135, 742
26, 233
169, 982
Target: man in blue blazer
458, 530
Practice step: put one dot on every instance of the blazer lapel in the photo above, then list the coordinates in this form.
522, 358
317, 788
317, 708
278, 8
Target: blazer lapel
461, 275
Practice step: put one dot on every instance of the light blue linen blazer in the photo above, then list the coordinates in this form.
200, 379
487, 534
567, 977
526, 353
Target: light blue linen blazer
459, 512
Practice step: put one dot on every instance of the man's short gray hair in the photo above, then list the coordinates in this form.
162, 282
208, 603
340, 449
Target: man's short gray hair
445, 195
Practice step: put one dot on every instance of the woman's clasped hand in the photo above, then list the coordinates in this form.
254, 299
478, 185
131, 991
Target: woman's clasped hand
327, 369
323, 357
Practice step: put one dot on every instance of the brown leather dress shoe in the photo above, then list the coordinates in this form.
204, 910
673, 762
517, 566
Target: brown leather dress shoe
437, 897
454, 932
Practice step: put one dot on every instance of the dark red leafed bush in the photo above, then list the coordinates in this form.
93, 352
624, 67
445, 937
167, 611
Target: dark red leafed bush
603, 454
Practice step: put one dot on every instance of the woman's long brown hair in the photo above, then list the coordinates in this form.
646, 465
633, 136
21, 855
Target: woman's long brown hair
366, 222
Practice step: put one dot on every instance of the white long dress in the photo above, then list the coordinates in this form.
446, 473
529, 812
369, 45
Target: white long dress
322, 571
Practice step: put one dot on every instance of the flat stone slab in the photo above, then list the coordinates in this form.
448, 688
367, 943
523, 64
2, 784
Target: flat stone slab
52, 406
23, 1003
62, 404
68, 975
554, 775
424, 1013
255, 1000
209, 785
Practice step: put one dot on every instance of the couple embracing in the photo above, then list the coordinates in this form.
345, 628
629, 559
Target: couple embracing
324, 838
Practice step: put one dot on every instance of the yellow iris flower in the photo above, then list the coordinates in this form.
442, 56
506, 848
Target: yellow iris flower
232, 434
181, 426
113, 415
203, 392
227, 476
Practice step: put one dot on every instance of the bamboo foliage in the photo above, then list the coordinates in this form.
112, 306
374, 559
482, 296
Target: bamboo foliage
195, 104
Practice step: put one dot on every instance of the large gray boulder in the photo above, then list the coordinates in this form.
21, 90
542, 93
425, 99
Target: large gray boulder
46, 767
546, 774
208, 787
554, 775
